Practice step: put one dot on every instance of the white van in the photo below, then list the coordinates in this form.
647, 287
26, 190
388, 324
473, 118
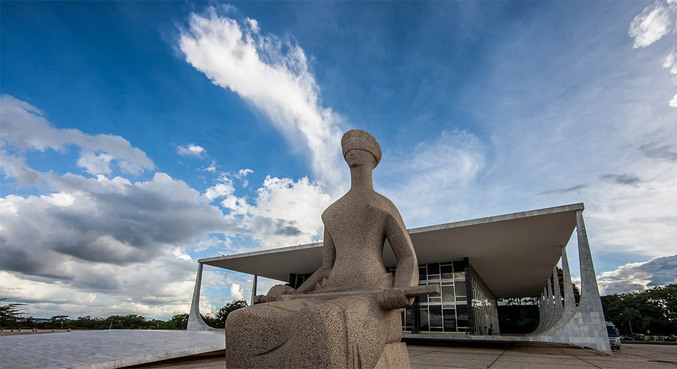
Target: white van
614, 336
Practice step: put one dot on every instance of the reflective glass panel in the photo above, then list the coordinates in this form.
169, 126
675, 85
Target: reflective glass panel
423, 313
435, 316
449, 320
460, 288
448, 293
447, 272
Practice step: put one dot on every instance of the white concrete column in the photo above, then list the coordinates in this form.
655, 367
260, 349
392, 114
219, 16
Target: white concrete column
586, 327
557, 295
254, 281
541, 312
589, 289
591, 304
549, 307
569, 299
195, 322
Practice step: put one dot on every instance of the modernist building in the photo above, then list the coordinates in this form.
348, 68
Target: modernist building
475, 262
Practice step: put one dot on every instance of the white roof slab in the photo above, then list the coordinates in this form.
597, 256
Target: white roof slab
513, 253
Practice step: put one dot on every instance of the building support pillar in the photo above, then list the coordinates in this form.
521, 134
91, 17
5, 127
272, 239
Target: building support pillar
254, 281
586, 327
195, 322
557, 296
546, 308
541, 313
569, 299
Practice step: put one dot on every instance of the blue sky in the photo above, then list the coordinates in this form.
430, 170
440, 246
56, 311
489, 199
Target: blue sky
137, 137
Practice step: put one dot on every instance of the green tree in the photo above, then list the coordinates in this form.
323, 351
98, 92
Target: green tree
227, 309
178, 322
560, 277
10, 313
654, 310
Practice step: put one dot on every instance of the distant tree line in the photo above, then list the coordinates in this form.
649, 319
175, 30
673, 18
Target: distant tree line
653, 311
11, 316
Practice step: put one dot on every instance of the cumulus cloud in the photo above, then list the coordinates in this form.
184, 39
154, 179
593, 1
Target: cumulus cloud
673, 101
244, 172
191, 150
271, 73
637, 277
220, 190
16, 167
24, 127
159, 287
236, 292
285, 212
654, 22
103, 221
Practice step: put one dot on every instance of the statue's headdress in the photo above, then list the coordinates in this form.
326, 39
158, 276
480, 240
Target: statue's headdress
359, 139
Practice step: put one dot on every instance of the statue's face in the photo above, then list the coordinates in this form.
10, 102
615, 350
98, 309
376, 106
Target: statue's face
358, 158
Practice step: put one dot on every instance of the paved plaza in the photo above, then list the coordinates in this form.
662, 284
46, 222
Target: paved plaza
103, 349
517, 356
184, 349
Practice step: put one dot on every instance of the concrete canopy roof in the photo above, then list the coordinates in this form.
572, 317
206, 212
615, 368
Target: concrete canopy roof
513, 253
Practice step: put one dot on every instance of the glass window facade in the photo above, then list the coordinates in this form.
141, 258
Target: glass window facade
444, 312
465, 304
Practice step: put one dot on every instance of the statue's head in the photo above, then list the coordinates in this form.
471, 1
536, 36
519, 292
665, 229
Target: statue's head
357, 139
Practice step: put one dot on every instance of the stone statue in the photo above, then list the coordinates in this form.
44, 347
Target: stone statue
349, 310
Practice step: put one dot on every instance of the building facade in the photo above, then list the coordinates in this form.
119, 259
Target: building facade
475, 263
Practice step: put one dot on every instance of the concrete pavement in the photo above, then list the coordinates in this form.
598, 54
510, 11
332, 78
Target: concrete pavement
517, 356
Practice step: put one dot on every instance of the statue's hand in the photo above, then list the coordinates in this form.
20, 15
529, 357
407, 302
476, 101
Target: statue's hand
276, 292
394, 298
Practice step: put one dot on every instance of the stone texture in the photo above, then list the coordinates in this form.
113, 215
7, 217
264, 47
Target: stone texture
350, 331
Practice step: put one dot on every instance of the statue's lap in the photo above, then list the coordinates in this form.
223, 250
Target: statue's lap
321, 333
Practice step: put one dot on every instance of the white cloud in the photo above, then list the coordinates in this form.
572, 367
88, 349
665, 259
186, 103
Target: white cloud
158, 287
105, 246
652, 24
429, 184
25, 128
97, 224
212, 167
95, 163
285, 212
15, 166
671, 62
637, 277
236, 292
212, 241
244, 172
220, 190
673, 101
191, 150
273, 74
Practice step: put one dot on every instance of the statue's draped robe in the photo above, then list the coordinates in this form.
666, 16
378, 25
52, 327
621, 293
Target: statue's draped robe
347, 332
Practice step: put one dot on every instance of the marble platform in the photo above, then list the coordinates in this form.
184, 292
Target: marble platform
104, 348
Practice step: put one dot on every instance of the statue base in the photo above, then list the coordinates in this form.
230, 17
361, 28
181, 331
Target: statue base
394, 355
